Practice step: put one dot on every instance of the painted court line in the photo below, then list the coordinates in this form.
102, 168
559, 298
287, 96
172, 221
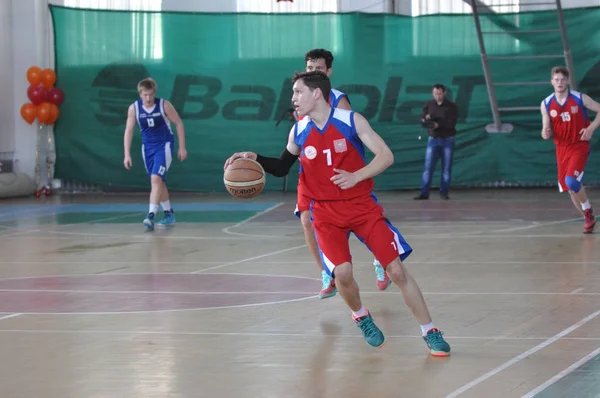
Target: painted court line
522, 356
562, 374
245, 334
227, 229
248, 259
295, 292
9, 316
536, 225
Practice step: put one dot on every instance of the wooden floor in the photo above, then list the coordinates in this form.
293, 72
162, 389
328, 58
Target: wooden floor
224, 303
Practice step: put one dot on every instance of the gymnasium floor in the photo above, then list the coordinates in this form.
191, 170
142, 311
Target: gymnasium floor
224, 304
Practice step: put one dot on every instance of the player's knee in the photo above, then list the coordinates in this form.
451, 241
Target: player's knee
305, 220
573, 184
396, 272
343, 274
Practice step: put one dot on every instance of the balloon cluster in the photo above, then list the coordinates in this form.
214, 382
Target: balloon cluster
45, 98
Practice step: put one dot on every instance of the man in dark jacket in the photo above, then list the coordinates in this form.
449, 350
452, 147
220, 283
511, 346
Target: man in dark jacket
439, 118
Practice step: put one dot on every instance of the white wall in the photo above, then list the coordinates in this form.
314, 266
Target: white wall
7, 123
29, 47
25, 41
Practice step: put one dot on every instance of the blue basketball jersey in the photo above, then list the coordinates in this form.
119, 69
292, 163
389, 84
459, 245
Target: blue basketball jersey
154, 124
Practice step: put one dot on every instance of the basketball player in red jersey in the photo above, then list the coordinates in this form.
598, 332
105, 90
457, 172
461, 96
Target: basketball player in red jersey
321, 60
336, 177
565, 117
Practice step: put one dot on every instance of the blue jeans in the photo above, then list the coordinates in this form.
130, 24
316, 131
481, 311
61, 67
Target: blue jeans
438, 148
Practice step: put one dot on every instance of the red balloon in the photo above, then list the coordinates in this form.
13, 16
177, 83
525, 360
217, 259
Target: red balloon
36, 94
56, 96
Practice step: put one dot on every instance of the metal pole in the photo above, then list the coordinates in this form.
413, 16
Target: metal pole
486, 68
567, 50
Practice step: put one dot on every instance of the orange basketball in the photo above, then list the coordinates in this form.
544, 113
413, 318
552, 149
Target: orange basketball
244, 178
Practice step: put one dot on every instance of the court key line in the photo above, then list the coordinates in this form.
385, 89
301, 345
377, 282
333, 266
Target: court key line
522, 356
262, 213
248, 259
10, 316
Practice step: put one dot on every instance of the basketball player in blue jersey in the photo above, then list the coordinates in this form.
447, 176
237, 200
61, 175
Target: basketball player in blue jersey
154, 117
321, 60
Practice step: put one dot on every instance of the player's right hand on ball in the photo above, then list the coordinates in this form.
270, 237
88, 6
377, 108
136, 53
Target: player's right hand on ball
238, 155
546, 134
127, 162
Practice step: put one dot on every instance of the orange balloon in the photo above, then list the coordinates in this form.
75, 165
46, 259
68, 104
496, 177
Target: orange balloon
48, 78
28, 112
43, 112
53, 114
34, 75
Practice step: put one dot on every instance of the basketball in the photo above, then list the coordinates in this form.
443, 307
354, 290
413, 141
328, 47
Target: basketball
244, 178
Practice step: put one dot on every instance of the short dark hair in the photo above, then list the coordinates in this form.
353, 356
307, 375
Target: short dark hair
319, 53
314, 80
563, 70
439, 86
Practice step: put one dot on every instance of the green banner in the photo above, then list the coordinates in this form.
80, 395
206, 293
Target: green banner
228, 76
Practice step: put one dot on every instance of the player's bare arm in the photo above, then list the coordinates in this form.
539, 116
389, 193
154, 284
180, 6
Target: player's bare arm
278, 167
586, 133
173, 116
128, 137
546, 123
383, 158
344, 104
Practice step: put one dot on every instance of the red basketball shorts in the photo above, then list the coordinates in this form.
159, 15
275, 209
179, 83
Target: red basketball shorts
303, 204
333, 221
571, 161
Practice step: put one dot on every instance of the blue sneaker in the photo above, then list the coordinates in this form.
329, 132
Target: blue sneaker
168, 219
328, 288
383, 280
149, 222
438, 347
373, 336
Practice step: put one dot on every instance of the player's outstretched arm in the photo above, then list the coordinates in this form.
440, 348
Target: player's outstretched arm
278, 167
586, 133
173, 116
546, 123
383, 159
128, 136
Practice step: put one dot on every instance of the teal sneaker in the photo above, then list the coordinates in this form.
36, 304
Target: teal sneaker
436, 343
168, 219
149, 222
383, 280
373, 336
328, 288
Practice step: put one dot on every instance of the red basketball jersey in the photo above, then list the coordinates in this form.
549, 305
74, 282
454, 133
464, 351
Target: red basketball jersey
567, 119
336, 146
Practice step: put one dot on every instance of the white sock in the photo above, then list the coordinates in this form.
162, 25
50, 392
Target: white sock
360, 313
586, 205
166, 205
153, 209
426, 328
